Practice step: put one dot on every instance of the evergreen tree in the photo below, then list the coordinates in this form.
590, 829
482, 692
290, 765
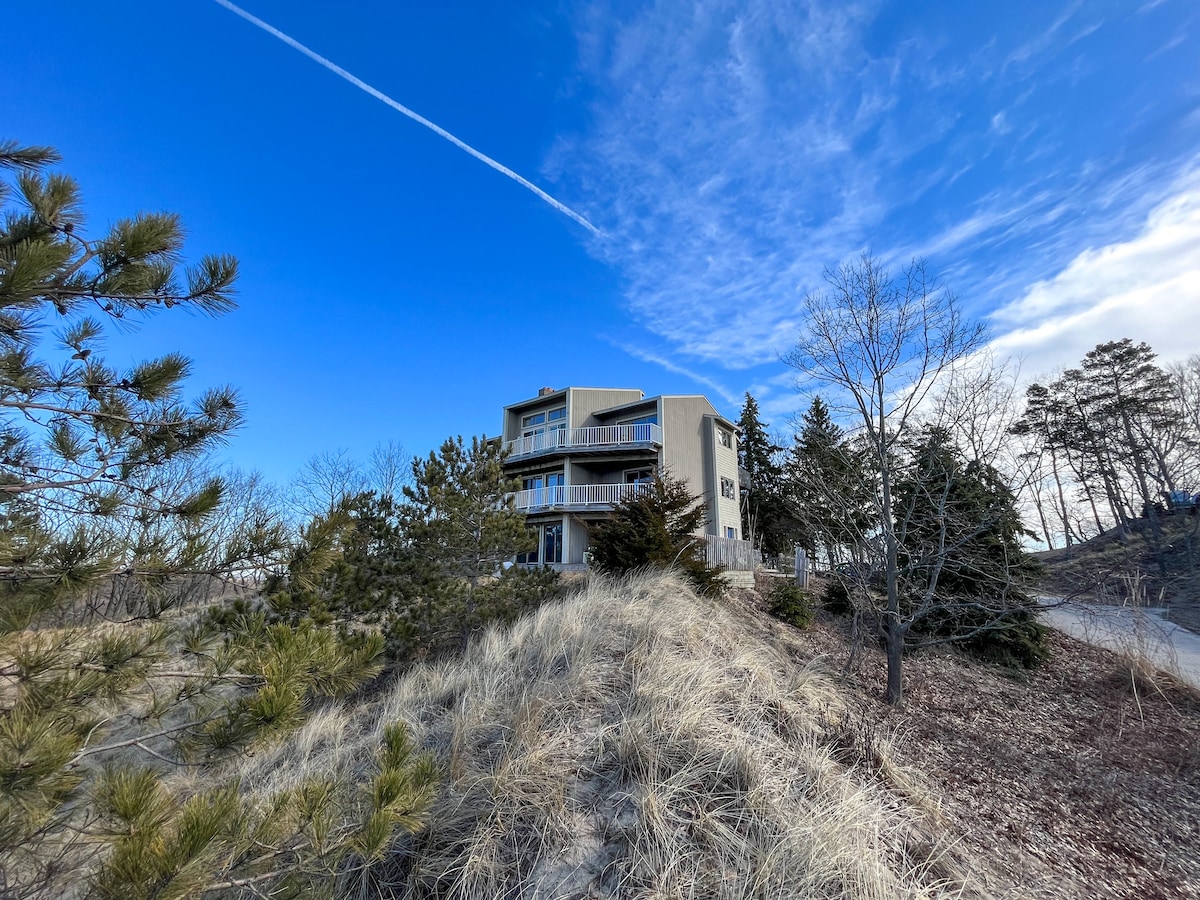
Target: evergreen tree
828, 486
656, 528
459, 515
428, 569
766, 519
965, 575
101, 484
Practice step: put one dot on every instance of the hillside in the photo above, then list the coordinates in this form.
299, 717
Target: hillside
1118, 568
637, 741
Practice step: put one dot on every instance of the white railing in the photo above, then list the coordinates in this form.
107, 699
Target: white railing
731, 554
569, 495
593, 436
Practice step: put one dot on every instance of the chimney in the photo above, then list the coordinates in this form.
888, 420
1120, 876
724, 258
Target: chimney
542, 392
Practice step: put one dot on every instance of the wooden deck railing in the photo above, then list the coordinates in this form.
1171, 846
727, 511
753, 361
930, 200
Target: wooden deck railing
731, 554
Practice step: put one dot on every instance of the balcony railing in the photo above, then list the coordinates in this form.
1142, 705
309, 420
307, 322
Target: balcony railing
567, 496
593, 437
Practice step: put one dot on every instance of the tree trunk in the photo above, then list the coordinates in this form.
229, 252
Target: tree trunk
895, 659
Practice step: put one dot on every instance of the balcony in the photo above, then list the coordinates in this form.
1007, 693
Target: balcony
599, 497
595, 438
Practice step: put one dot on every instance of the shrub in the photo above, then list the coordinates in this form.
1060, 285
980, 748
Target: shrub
791, 604
656, 528
1015, 639
836, 598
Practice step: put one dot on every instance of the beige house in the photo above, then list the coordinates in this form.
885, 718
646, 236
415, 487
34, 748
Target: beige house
578, 451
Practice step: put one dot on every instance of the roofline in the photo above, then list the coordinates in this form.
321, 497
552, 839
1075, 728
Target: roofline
658, 397
643, 401
563, 392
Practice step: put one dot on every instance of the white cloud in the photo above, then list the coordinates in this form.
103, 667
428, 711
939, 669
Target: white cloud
1146, 288
736, 148
647, 356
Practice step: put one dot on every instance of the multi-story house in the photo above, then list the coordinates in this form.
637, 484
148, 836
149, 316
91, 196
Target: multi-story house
577, 452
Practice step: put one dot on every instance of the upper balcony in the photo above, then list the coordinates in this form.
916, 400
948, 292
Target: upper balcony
593, 438
576, 497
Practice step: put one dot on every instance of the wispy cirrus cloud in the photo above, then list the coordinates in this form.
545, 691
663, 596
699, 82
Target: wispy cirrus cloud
671, 366
1146, 288
736, 149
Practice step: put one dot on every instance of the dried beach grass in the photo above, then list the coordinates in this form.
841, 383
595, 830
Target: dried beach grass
635, 740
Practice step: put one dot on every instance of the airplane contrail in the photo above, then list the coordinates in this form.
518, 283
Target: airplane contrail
401, 108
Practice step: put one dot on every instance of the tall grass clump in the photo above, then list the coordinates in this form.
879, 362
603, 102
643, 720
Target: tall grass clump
632, 740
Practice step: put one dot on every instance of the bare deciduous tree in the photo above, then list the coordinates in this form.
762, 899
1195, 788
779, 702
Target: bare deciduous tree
879, 344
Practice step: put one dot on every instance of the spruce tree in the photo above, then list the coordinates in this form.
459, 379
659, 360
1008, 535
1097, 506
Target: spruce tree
656, 528
766, 518
965, 574
828, 486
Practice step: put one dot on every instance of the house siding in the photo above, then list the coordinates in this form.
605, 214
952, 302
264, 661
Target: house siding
586, 402
725, 465
689, 451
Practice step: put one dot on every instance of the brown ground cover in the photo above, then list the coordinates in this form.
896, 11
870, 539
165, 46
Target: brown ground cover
1076, 780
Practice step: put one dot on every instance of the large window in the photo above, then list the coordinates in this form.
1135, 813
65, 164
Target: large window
549, 547
545, 489
552, 424
639, 476
552, 543
728, 489
725, 438
641, 425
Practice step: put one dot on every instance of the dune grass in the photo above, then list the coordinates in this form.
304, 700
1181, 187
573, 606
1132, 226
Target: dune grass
633, 740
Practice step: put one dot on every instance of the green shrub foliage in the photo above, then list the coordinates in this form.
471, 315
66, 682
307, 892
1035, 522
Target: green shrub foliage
965, 574
835, 597
656, 528
109, 518
428, 569
790, 603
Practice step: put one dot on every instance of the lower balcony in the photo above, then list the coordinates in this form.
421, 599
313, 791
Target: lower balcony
574, 497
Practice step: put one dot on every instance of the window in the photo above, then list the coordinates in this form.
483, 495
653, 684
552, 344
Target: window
639, 476
535, 425
728, 489
650, 419
731, 533
552, 541
725, 438
544, 490
549, 546
639, 428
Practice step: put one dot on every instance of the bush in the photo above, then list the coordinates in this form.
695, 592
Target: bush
836, 598
656, 528
791, 604
1016, 640
1018, 644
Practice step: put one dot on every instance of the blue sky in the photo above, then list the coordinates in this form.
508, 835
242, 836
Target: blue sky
1043, 157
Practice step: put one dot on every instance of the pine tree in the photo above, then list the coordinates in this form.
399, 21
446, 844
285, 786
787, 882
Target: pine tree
459, 515
102, 483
